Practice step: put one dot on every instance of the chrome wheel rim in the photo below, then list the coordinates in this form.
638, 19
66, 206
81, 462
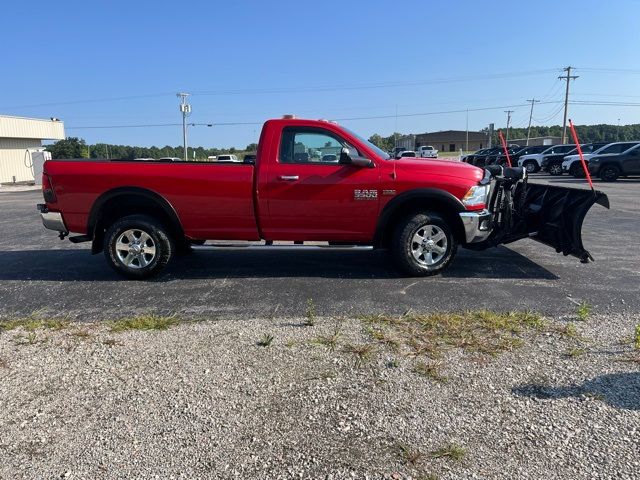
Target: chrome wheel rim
555, 169
135, 248
428, 245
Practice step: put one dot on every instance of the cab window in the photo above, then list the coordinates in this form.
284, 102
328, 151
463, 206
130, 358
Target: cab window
311, 146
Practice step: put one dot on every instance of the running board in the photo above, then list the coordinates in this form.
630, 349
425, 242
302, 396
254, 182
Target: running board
238, 246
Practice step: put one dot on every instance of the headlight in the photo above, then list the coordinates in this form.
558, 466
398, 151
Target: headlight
594, 160
476, 196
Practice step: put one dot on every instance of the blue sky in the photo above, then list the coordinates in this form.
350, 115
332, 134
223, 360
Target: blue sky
246, 61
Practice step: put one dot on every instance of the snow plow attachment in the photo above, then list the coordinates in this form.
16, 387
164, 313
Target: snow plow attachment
550, 214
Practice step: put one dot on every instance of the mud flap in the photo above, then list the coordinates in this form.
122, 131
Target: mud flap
552, 215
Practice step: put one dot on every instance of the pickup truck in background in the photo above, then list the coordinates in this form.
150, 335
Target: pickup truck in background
427, 151
312, 180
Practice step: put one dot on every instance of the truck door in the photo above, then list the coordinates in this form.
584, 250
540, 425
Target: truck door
310, 195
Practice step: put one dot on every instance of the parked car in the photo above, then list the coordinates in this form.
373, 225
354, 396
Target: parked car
480, 160
407, 153
515, 156
227, 158
552, 164
249, 158
419, 209
533, 162
611, 166
470, 157
501, 159
571, 163
397, 151
427, 151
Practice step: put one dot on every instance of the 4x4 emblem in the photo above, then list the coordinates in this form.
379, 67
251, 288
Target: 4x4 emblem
365, 194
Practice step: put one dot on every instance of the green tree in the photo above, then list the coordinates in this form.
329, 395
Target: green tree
252, 147
70, 147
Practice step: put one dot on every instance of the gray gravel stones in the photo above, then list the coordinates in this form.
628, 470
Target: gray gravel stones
202, 400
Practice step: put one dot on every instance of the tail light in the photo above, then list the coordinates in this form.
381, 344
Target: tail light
47, 189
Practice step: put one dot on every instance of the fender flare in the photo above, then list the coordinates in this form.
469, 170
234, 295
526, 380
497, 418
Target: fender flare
392, 210
96, 211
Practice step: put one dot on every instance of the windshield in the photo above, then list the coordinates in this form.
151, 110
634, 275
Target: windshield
381, 153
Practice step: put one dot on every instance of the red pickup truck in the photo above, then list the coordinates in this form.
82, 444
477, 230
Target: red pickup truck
312, 180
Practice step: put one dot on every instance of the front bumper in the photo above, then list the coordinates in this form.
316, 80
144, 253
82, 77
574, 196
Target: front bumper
52, 220
477, 225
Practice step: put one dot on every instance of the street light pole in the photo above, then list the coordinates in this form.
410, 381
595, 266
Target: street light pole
533, 101
185, 108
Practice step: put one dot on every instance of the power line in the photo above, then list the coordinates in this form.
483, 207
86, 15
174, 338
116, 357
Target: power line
89, 100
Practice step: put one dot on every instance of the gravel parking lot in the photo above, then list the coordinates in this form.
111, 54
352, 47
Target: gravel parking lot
283, 377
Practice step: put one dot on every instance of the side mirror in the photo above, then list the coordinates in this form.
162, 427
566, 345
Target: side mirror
347, 159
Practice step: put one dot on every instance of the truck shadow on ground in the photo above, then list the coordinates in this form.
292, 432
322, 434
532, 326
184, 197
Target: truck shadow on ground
79, 265
620, 390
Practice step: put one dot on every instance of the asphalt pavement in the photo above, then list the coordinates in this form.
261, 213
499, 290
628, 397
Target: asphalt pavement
40, 272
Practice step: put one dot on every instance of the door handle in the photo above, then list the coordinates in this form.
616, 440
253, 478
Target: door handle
289, 178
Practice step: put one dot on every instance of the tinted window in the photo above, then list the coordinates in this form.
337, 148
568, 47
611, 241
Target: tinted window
617, 147
304, 145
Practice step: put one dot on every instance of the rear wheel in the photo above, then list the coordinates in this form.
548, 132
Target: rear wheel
138, 246
576, 170
423, 244
609, 173
530, 166
555, 169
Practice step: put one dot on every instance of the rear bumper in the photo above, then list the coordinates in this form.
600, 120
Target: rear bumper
52, 220
477, 225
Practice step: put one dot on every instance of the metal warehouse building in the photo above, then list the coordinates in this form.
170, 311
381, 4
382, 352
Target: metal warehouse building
19, 138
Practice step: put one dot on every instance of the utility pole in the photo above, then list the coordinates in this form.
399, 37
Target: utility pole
568, 77
533, 101
508, 112
618, 131
185, 108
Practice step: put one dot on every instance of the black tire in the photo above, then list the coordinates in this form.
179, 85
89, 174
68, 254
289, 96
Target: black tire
555, 169
530, 166
403, 245
576, 170
142, 264
609, 173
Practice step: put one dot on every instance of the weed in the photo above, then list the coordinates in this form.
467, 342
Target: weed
636, 338
431, 371
81, 333
393, 363
265, 341
595, 396
363, 351
290, 343
111, 342
149, 321
569, 330
409, 455
575, 352
30, 339
583, 311
480, 331
329, 341
310, 313
33, 322
452, 451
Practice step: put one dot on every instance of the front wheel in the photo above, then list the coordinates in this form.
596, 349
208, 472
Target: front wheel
555, 169
423, 244
530, 166
138, 246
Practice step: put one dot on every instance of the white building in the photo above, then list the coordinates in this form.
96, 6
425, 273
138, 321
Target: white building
19, 138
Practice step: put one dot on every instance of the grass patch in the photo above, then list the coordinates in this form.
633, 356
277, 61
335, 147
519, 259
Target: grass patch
81, 333
431, 371
33, 322
636, 337
451, 451
569, 330
329, 341
111, 342
575, 352
265, 341
408, 454
480, 331
310, 313
363, 351
583, 311
149, 321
